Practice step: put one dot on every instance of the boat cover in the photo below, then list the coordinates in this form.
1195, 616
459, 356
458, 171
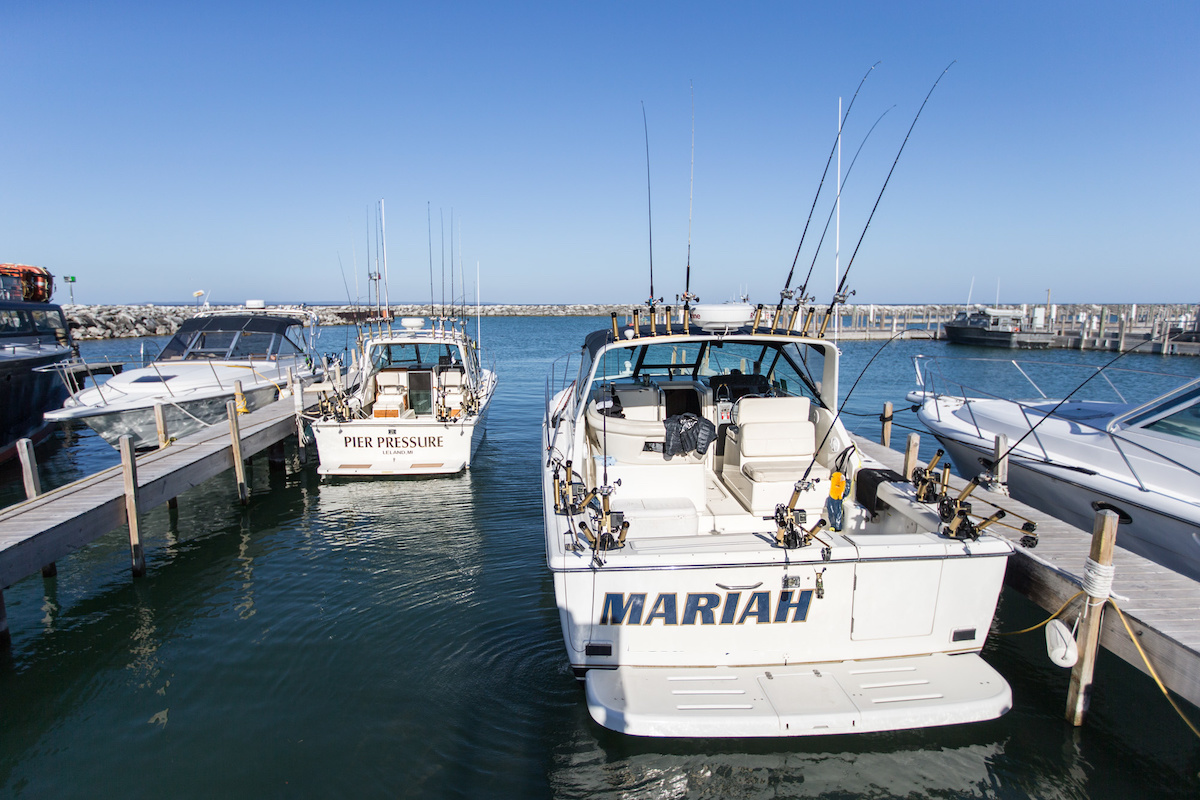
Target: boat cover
800, 700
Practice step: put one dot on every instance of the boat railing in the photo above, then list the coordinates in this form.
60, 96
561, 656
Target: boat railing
933, 381
559, 379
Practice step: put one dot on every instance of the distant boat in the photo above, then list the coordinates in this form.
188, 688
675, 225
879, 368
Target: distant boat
997, 327
1139, 460
193, 377
33, 337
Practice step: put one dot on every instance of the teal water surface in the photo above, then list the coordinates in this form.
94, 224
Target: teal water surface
399, 638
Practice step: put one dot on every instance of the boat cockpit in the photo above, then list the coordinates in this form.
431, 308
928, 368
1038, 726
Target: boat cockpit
412, 379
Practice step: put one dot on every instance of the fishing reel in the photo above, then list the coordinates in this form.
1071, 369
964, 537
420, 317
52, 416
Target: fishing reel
611, 526
789, 529
926, 482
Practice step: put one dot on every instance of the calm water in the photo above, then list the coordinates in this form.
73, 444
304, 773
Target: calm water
399, 638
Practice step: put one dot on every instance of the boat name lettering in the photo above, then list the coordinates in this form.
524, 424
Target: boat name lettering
392, 441
705, 608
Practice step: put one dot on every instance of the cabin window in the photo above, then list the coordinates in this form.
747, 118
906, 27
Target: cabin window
14, 322
47, 321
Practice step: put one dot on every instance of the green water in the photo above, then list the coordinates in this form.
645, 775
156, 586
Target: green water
399, 639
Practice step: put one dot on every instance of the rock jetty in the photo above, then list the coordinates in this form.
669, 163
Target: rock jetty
117, 322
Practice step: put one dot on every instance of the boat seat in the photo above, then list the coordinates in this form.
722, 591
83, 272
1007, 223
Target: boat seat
771, 446
391, 393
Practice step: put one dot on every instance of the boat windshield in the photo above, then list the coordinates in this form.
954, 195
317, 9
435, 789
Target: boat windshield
414, 355
1185, 422
783, 367
240, 338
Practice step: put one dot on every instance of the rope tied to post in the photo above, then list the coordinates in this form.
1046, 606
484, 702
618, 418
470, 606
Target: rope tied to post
1097, 582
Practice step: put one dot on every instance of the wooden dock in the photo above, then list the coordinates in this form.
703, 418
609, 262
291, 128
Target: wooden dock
44, 529
1162, 607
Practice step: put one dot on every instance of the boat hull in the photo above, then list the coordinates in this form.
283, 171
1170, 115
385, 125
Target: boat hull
25, 395
182, 417
979, 337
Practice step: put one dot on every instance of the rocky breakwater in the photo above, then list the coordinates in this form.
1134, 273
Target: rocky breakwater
117, 322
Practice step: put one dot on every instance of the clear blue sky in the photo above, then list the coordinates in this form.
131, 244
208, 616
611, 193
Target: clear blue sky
153, 150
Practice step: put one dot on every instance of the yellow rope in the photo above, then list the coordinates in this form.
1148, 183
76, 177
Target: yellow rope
1152, 671
1047, 620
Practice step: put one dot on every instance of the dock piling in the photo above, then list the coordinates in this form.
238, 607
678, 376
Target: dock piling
129, 470
1104, 538
164, 440
33, 487
297, 387
235, 439
886, 419
911, 448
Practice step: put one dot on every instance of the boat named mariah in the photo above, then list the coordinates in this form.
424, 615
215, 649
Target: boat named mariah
727, 563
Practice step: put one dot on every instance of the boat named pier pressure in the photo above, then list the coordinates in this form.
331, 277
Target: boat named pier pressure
419, 407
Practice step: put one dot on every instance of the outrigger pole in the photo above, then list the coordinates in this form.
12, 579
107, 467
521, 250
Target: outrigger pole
786, 293
839, 296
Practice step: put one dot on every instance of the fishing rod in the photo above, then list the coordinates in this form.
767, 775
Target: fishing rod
429, 230
786, 293
839, 295
649, 217
688, 297
804, 289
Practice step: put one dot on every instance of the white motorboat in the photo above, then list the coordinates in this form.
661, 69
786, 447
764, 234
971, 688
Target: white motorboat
420, 405
195, 374
727, 563
1072, 458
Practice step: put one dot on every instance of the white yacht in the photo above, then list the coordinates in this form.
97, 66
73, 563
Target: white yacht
194, 375
420, 405
727, 563
1072, 458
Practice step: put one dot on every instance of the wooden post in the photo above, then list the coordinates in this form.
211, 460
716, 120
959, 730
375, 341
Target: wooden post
1104, 537
33, 487
886, 433
129, 469
235, 438
298, 396
160, 423
911, 448
1000, 460
164, 439
1121, 335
